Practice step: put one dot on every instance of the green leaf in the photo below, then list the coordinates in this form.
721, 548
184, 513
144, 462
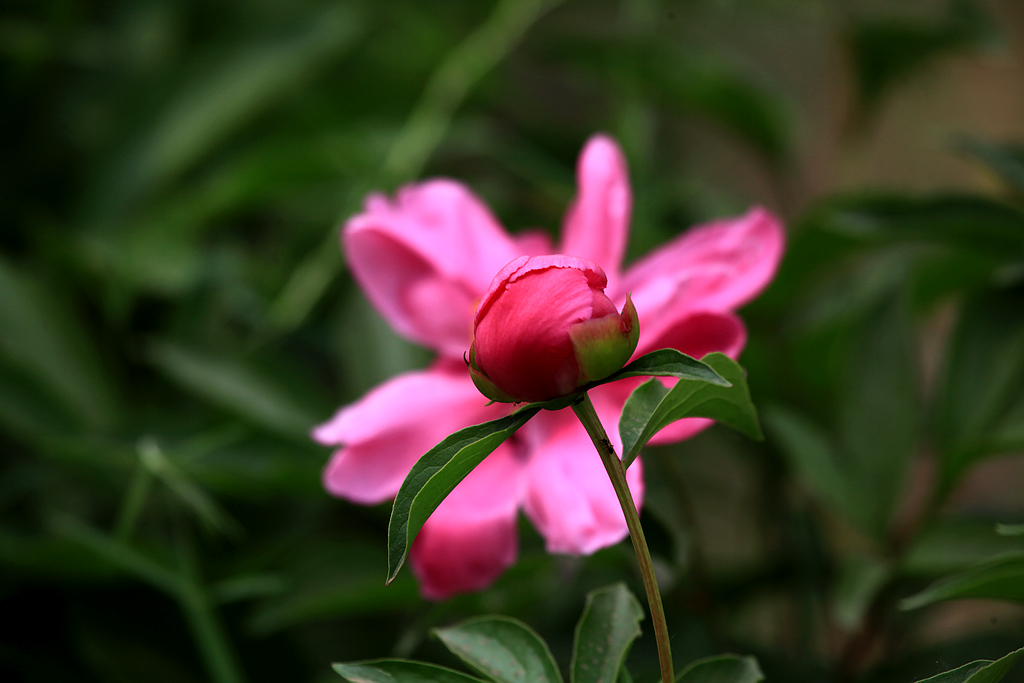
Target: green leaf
192, 496
812, 456
1010, 529
981, 671
860, 580
999, 579
648, 409
983, 383
219, 102
951, 545
120, 555
1007, 160
503, 649
668, 363
42, 342
434, 476
878, 413
608, 626
886, 50
753, 113
975, 224
235, 387
400, 671
331, 579
722, 669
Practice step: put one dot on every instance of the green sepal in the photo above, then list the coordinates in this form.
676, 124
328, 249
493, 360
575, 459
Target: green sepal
603, 345
483, 384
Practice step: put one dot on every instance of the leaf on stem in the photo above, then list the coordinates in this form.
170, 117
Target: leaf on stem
722, 669
981, 671
651, 408
400, 671
669, 363
503, 649
438, 472
608, 626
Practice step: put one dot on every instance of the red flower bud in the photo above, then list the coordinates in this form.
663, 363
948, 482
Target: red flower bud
545, 328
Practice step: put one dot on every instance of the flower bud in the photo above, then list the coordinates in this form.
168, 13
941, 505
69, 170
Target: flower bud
545, 328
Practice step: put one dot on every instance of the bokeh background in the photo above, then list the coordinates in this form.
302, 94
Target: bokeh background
175, 315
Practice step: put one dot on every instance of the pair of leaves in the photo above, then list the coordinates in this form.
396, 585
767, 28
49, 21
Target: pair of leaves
653, 406
504, 650
714, 389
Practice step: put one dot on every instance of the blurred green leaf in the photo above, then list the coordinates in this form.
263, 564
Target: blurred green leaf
114, 657
1010, 529
439, 471
848, 291
860, 580
754, 114
450, 82
223, 98
952, 545
255, 468
331, 579
607, 628
886, 50
981, 671
813, 457
999, 579
878, 413
42, 342
685, 81
1007, 160
191, 495
121, 555
503, 649
652, 407
235, 387
963, 221
46, 556
983, 382
400, 671
722, 669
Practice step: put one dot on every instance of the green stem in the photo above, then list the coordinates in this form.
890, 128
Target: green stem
134, 501
214, 645
584, 410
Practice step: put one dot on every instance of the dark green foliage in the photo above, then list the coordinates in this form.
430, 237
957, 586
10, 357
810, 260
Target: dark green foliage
176, 315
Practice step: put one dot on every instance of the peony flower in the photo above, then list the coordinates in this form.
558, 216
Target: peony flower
545, 328
424, 259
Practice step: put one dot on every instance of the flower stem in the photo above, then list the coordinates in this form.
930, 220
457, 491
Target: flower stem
584, 410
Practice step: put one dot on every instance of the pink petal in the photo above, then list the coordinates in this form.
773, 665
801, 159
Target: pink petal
569, 497
597, 223
699, 333
384, 433
470, 539
522, 266
425, 258
533, 242
715, 267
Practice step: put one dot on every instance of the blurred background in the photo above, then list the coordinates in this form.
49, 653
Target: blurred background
175, 315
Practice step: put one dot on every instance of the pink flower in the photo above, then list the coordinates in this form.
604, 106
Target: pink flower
545, 328
424, 260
